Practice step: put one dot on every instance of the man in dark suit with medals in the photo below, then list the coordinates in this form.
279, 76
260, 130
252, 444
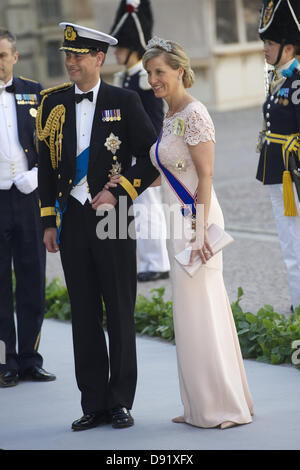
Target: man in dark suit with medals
88, 131
21, 238
133, 29
279, 145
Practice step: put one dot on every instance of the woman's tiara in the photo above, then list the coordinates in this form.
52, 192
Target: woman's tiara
160, 43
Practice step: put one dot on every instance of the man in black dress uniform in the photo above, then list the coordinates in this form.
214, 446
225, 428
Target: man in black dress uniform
88, 131
21, 238
133, 29
280, 30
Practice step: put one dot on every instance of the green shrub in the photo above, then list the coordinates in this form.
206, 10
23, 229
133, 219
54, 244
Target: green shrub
57, 301
154, 317
266, 336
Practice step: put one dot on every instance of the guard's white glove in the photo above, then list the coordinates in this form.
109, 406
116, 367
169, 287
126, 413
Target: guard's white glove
27, 181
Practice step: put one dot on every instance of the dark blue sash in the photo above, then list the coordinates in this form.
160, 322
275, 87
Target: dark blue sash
182, 193
82, 163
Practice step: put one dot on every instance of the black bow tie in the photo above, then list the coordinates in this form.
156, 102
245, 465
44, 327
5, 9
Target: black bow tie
81, 96
10, 89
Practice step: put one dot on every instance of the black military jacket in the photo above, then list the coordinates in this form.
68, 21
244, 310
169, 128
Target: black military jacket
282, 115
153, 106
118, 112
27, 97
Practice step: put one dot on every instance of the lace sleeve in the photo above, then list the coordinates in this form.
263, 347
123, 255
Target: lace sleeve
198, 126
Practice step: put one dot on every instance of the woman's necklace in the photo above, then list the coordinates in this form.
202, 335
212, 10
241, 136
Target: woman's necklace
178, 108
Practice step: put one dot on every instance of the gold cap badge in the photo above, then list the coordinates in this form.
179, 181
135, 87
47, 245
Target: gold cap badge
268, 13
70, 33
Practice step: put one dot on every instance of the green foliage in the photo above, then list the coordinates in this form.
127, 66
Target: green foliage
57, 301
266, 336
154, 317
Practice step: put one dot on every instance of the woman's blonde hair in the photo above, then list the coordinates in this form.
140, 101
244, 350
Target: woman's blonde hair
175, 56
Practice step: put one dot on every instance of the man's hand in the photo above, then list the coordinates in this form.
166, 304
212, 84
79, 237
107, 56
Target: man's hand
50, 236
105, 199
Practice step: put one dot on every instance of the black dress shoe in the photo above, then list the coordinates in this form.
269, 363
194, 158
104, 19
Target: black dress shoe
91, 420
152, 276
121, 418
37, 374
9, 378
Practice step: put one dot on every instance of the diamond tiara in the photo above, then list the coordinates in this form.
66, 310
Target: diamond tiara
160, 43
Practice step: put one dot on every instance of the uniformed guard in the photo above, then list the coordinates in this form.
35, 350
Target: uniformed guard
279, 28
21, 238
133, 29
88, 131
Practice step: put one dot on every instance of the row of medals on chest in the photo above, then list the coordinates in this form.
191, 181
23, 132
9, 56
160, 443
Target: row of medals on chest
281, 98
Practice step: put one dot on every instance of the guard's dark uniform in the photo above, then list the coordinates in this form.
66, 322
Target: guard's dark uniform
98, 269
280, 144
139, 82
281, 112
21, 240
132, 27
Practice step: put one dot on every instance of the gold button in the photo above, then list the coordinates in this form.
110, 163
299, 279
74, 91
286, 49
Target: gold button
59, 176
26, 150
60, 195
70, 181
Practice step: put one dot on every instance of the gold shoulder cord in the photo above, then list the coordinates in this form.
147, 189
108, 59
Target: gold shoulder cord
28, 79
53, 127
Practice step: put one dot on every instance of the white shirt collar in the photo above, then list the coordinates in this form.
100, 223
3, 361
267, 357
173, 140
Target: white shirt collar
95, 90
135, 68
4, 85
10, 82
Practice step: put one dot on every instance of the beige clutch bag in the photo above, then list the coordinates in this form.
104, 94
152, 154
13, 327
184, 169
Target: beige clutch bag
218, 239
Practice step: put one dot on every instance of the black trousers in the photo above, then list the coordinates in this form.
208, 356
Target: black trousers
21, 242
94, 270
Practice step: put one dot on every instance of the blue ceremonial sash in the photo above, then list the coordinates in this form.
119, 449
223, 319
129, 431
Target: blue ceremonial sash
182, 193
59, 216
82, 163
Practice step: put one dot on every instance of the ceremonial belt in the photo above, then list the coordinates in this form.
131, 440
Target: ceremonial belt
289, 143
82, 163
188, 200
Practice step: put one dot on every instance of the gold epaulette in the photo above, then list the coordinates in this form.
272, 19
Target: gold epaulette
28, 80
56, 88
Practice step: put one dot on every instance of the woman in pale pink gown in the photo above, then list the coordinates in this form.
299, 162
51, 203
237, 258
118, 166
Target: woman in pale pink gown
212, 379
